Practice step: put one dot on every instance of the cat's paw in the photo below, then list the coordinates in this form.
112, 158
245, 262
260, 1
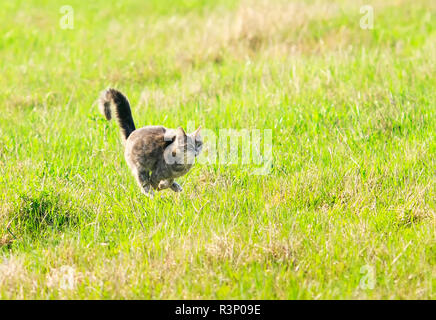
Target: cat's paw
164, 184
176, 187
148, 191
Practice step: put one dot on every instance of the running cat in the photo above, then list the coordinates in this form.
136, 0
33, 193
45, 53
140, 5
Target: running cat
155, 154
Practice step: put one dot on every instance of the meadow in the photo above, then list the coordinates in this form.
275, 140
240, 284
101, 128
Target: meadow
346, 211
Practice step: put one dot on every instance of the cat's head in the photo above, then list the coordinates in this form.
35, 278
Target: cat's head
185, 148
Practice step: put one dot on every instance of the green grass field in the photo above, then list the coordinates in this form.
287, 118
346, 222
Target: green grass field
346, 211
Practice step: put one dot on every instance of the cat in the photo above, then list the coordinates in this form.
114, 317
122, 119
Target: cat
156, 155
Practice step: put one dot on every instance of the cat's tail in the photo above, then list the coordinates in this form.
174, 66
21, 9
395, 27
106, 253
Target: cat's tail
112, 101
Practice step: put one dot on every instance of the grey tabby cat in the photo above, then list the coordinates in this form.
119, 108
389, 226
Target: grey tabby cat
166, 153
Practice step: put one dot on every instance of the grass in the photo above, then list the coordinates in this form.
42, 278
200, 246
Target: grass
353, 182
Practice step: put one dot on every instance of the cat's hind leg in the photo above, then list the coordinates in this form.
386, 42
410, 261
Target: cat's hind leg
159, 183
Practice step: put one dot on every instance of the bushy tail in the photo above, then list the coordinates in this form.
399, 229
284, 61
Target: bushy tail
113, 101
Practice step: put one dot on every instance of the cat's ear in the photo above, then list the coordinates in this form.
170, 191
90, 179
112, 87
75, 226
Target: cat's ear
181, 132
198, 141
196, 133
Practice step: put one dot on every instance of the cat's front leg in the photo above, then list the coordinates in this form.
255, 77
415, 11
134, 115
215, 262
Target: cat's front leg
164, 184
